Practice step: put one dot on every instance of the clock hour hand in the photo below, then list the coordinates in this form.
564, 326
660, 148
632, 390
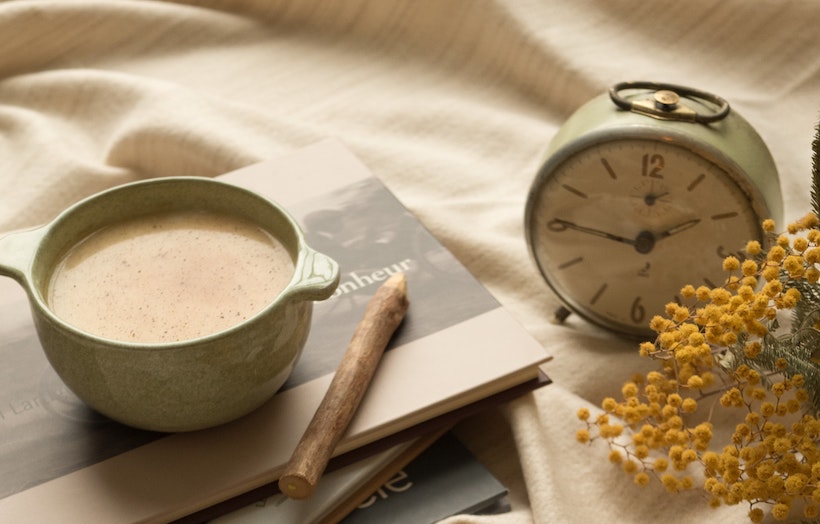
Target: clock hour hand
558, 224
646, 240
674, 230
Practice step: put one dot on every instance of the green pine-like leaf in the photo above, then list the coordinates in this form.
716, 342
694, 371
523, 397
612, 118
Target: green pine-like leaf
815, 171
801, 348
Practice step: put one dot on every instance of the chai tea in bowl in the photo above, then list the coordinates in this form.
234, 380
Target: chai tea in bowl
171, 304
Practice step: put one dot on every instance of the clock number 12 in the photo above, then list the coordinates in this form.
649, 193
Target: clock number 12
651, 165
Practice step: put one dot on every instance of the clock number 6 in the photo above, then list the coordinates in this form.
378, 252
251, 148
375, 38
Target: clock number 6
651, 165
638, 313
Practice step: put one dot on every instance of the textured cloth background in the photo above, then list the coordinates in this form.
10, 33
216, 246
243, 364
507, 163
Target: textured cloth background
452, 103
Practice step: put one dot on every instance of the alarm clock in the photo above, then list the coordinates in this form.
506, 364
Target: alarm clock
645, 189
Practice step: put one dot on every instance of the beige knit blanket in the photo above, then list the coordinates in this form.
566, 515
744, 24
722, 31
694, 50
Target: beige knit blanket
451, 102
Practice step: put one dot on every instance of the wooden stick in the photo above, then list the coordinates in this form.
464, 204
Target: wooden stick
382, 316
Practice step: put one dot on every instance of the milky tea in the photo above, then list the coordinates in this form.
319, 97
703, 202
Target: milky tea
169, 277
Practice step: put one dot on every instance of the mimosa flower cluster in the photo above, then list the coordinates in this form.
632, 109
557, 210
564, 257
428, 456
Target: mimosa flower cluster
720, 350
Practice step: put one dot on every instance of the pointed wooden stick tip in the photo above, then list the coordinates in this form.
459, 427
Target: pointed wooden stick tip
398, 280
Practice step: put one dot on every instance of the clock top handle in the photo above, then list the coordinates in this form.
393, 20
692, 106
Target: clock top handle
665, 102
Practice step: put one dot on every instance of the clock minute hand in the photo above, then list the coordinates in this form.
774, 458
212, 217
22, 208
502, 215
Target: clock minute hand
558, 224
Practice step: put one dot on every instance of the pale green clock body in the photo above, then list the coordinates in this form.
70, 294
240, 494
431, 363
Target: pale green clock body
628, 208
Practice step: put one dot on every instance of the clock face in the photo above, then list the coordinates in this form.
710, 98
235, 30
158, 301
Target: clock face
617, 229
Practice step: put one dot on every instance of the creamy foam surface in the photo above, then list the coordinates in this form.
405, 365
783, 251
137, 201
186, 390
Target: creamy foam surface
169, 277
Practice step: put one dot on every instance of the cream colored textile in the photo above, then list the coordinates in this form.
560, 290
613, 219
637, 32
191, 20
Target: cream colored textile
450, 102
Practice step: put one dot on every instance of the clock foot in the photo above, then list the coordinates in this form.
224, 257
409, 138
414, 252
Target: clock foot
561, 315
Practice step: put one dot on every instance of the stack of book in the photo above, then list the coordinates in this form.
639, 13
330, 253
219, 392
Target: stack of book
457, 352
440, 479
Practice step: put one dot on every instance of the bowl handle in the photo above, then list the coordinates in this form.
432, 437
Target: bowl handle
17, 250
318, 279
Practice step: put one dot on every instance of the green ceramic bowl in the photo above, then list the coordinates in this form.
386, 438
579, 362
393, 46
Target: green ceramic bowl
178, 386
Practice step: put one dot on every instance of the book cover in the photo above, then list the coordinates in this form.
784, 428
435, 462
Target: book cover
444, 480
61, 461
